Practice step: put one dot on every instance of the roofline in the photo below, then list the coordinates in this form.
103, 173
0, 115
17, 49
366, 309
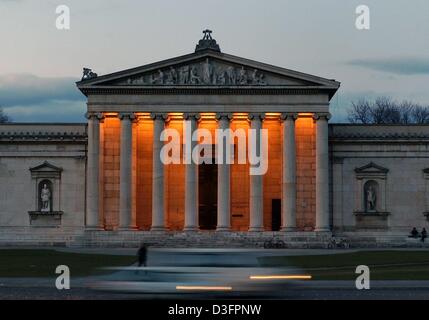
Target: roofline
44, 123
207, 52
379, 124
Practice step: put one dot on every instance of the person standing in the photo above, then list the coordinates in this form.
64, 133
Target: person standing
424, 234
142, 256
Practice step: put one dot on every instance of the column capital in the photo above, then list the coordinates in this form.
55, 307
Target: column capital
223, 116
159, 116
96, 115
127, 115
321, 115
288, 115
191, 116
256, 116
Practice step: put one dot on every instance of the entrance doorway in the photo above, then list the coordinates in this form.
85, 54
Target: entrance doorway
276, 219
207, 196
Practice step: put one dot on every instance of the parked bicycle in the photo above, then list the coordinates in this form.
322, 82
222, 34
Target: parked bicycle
338, 243
274, 244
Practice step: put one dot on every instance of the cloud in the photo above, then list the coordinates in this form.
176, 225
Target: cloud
27, 97
399, 66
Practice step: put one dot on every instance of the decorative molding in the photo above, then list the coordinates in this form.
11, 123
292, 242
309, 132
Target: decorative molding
367, 169
46, 170
224, 116
159, 116
288, 115
127, 115
96, 115
127, 90
42, 136
191, 116
255, 116
321, 115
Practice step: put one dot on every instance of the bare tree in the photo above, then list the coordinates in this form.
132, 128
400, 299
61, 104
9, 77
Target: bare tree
360, 112
420, 114
3, 117
384, 110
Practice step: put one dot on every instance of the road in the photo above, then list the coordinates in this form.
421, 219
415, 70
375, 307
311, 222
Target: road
44, 289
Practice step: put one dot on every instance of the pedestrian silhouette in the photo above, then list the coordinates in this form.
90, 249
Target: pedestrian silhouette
424, 234
142, 255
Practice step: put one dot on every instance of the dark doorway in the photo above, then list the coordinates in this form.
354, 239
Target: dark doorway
276, 219
207, 194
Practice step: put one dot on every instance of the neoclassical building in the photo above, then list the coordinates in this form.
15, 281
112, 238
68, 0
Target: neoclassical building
105, 183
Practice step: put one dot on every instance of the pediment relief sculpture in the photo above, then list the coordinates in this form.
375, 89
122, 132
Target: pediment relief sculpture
204, 73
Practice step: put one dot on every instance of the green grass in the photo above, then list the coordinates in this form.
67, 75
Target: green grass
384, 265
42, 263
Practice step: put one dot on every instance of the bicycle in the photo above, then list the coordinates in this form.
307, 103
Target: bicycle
274, 244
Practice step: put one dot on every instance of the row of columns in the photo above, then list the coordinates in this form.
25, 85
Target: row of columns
289, 192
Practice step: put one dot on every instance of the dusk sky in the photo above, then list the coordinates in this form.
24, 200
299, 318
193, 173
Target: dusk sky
39, 64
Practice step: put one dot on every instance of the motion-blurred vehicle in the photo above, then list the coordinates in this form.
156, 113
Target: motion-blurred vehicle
203, 273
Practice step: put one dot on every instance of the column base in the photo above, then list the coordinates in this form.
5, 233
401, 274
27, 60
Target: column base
158, 228
256, 229
288, 229
191, 229
94, 228
133, 228
223, 229
323, 229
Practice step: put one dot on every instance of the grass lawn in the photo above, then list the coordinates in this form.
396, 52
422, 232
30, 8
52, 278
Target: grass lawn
42, 263
384, 265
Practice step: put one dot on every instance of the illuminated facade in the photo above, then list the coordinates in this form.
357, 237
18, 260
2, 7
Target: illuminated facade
104, 183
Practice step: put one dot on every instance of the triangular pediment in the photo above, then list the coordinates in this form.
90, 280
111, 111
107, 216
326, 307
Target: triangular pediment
46, 167
209, 69
371, 168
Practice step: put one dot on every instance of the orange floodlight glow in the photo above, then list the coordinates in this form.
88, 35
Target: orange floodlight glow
203, 288
281, 277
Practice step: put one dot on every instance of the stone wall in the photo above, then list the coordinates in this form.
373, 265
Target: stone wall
57, 149
394, 156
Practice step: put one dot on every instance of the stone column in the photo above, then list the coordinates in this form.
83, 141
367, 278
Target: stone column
288, 172
191, 175
223, 175
93, 172
158, 194
126, 219
256, 181
322, 172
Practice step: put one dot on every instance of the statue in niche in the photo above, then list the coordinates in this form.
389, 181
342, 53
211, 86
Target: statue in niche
45, 197
207, 72
232, 78
194, 78
371, 198
242, 77
184, 75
